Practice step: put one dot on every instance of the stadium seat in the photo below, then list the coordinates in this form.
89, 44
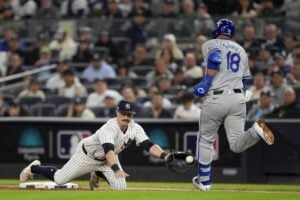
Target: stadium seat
103, 111
179, 28
123, 43
42, 109
58, 100
142, 100
118, 27
79, 66
172, 97
172, 110
142, 70
29, 101
29, 42
62, 110
7, 98
49, 91
113, 83
139, 82
103, 52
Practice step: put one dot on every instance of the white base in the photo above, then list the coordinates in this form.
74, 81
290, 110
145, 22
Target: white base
48, 185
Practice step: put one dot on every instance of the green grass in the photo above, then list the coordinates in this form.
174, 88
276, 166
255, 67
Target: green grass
165, 191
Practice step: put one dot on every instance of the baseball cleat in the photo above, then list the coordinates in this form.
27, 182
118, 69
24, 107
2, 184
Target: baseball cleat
199, 185
26, 173
264, 131
94, 181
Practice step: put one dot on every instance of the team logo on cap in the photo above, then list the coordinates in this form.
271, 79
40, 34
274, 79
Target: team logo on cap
127, 106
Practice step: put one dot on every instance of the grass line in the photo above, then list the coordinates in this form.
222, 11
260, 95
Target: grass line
9, 189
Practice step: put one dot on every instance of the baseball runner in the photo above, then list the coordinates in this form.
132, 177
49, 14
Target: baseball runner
227, 70
99, 152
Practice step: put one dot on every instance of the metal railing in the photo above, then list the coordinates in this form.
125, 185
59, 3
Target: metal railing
11, 88
27, 73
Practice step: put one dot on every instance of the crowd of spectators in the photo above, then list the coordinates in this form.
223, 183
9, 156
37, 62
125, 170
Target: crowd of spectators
93, 72
116, 9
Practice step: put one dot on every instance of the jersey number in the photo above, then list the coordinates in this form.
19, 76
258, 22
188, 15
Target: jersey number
233, 61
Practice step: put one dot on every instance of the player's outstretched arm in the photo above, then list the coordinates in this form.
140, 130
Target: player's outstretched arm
154, 149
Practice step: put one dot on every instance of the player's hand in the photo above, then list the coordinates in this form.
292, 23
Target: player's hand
201, 89
167, 157
121, 174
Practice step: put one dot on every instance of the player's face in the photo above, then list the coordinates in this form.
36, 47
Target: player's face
123, 118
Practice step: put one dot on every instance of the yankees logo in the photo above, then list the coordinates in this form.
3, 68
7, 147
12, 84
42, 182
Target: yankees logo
127, 106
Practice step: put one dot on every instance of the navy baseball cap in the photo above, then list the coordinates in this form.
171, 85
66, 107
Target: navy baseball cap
126, 107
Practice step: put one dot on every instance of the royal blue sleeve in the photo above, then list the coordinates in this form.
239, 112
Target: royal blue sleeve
214, 59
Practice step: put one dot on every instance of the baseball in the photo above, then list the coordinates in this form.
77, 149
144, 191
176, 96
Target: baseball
189, 159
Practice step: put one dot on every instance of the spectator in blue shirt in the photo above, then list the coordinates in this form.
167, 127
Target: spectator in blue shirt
263, 107
98, 69
10, 34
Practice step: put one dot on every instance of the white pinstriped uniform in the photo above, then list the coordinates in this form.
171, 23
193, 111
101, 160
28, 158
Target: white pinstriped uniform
81, 164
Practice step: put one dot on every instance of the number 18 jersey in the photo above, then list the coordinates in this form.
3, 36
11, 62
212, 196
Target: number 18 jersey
234, 66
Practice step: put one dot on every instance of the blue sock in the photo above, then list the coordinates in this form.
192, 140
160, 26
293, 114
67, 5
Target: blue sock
46, 171
204, 173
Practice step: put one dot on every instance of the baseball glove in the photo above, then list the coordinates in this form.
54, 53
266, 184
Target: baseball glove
178, 162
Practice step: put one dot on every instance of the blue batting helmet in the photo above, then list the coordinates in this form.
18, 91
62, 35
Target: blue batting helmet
224, 27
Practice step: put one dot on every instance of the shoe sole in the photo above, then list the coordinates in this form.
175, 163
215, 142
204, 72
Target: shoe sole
199, 187
268, 135
35, 162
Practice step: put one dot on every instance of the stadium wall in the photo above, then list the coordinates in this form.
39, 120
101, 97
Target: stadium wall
52, 141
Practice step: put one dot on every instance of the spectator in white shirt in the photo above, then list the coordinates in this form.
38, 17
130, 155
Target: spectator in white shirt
57, 80
64, 44
32, 90
153, 89
71, 89
78, 109
96, 98
187, 110
259, 85
74, 8
190, 68
24, 8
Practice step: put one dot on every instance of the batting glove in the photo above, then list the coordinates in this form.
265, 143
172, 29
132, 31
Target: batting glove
201, 89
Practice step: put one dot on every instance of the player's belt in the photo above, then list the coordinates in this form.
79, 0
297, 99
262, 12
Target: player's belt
85, 152
217, 92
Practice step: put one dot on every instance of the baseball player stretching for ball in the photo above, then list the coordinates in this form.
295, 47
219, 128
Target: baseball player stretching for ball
226, 71
99, 152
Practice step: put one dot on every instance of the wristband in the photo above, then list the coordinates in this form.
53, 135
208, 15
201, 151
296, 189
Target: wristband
115, 167
208, 78
163, 155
